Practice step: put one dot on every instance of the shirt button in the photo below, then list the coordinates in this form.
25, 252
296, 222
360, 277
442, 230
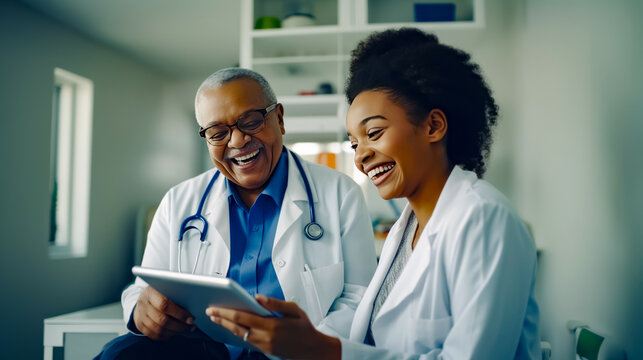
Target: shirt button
281, 263
249, 257
255, 228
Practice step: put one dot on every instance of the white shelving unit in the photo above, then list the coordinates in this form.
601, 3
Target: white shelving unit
296, 60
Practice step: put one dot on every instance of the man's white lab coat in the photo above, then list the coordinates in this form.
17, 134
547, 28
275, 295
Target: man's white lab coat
326, 278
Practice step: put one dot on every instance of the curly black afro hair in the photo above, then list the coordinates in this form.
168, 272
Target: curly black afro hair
420, 74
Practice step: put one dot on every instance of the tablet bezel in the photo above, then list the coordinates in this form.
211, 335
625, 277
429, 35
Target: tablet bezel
203, 291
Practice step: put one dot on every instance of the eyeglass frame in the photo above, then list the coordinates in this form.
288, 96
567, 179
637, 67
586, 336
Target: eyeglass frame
263, 112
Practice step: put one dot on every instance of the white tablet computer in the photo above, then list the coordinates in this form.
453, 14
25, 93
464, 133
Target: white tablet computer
196, 292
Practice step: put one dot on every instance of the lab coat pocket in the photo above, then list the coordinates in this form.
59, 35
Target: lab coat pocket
429, 334
322, 286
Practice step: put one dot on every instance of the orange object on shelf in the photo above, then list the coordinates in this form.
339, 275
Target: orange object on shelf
327, 159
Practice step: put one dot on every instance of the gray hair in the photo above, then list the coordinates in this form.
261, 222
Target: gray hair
224, 76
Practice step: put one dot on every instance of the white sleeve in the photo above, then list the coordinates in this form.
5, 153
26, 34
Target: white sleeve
156, 255
491, 272
358, 249
491, 277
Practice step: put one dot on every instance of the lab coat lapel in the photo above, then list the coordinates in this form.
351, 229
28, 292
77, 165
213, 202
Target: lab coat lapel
365, 308
410, 277
420, 259
459, 181
295, 200
218, 217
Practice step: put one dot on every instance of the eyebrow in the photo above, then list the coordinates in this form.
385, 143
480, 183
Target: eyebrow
213, 123
367, 119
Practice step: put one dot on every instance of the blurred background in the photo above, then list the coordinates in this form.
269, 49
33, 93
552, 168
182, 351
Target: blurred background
97, 123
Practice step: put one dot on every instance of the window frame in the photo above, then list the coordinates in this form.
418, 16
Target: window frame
71, 140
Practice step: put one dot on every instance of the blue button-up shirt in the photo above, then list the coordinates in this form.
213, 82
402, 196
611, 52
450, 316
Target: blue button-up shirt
252, 235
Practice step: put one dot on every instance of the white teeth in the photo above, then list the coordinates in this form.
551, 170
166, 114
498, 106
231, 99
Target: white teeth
378, 170
241, 159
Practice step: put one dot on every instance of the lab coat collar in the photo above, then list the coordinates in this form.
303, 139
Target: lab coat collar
458, 181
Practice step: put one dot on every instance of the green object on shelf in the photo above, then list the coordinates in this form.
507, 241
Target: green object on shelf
268, 22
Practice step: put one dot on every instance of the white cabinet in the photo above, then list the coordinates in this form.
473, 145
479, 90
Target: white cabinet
297, 60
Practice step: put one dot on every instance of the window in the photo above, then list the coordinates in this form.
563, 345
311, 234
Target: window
70, 164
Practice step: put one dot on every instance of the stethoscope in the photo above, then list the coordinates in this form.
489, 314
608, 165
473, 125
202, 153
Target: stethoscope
312, 230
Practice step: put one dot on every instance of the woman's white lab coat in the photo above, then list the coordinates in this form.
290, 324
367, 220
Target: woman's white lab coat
329, 275
467, 291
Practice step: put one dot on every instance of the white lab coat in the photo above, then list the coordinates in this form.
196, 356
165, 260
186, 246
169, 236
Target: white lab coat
467, 291
326, 278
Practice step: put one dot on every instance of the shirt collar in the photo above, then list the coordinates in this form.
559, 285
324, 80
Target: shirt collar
276, 184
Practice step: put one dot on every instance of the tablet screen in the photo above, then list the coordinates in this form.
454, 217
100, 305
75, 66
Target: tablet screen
196, 292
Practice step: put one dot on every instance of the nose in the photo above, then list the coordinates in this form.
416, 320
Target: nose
238, 138
363, 153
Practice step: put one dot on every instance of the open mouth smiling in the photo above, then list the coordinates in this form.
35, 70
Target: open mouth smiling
379, 171
245, 159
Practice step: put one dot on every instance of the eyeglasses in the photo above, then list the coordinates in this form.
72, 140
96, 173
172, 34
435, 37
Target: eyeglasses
250, 123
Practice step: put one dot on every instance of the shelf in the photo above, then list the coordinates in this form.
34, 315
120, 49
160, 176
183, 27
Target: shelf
308, 106
319, 137
325, 11
398, 11
316, 68
302, 59
300, 31
338, 30
310, 44
290, 79
333, 99
299, 59
313, 124
426, 26
323, 45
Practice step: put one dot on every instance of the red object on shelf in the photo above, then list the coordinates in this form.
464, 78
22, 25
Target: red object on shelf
307, 93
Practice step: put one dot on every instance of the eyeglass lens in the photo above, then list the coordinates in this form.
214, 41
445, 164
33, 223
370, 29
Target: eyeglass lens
250, 123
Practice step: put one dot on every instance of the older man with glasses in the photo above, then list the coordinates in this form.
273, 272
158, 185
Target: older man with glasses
279, 226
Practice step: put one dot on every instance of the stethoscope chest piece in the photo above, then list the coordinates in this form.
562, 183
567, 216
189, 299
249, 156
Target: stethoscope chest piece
313, 231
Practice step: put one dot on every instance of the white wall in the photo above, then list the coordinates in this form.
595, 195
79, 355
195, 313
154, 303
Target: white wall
182, 91
141, 146
579, 173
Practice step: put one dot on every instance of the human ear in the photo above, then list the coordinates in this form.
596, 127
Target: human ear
279, 110
436, 122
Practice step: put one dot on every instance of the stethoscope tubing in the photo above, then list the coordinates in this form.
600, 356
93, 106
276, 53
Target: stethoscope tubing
199, 217
312, 230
